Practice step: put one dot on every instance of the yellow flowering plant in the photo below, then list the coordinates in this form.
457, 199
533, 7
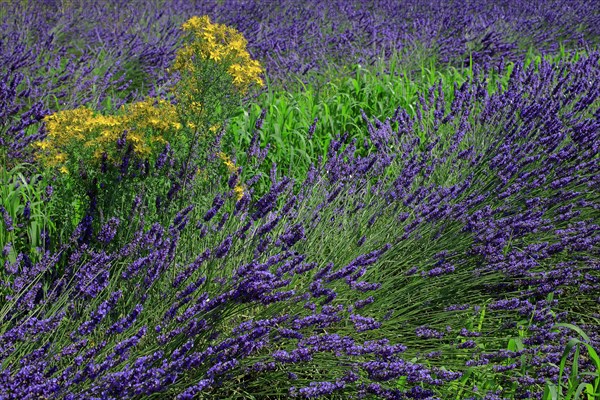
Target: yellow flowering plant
92, 151
101, 142
222, 45
216, 72
232, 169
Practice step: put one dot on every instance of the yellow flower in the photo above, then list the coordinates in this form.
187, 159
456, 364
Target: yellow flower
227, 161
232, 168
195, 24
159, 139
149, 125
42, 144
195, 107
239, 191
219, 43
60, 157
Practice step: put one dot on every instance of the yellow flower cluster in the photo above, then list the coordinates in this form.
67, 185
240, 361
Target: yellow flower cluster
82, 135
148, 124
219, 43
232, 168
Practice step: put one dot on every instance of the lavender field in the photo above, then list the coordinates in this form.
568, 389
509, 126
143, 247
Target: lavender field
341, 199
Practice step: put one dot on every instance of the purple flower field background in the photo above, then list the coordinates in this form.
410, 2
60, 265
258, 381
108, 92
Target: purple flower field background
409, 208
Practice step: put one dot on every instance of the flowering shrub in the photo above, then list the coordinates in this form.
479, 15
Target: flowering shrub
142, 129
101, 142
97, 150
221, 44
215, 71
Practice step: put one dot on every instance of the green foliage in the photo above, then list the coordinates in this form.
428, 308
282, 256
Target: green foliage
206, 97
336, 99
26, 226
377, 90
575, 388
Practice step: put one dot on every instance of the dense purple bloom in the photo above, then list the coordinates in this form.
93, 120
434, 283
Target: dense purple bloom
218, 202
311, 129
515, 221
27, 211
317, 389
126, 322
223, 248
292, 235
109, 230
162, 157
427, 333
98, 315
8, 221
364, 323
93, 276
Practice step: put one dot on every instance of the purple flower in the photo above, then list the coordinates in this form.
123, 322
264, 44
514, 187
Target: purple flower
362, 324
222, 250
27, 211
428, 333
109, 230
126, 322
8, 222
218, 202
318, 389
97, 316
293, 235
311, 129
162, 157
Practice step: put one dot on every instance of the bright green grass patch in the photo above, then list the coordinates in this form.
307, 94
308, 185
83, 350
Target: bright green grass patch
336, 101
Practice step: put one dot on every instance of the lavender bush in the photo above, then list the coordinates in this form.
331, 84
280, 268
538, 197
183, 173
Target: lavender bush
54, 57
494, 238
451, 254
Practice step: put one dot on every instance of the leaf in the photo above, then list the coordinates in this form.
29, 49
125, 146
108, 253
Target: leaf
401, 383
481, 317
575, 328
563, 360
550, 392
582, 386
573, 379
515, 344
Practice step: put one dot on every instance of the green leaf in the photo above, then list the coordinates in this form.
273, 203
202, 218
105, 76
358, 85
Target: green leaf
515, 344
401, 383
550, 392
575, 328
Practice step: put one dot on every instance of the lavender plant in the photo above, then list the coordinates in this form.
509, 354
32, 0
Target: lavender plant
452, 253
253, 297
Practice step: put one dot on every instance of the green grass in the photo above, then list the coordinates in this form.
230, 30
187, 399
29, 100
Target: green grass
18, 186
336, 101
